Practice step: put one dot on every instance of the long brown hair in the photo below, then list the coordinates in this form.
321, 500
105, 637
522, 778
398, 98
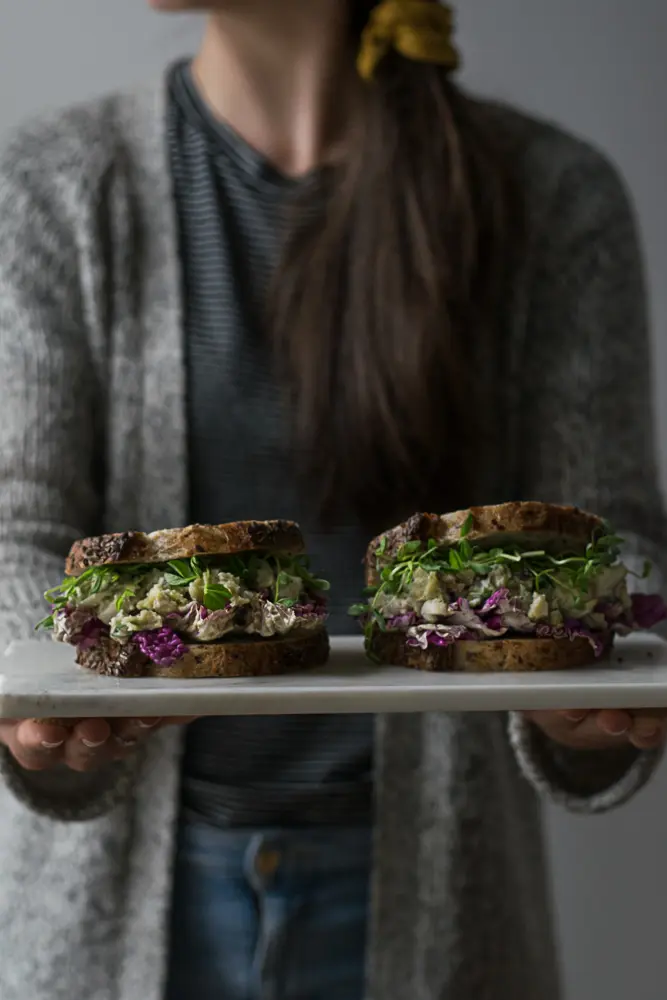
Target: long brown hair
382, 303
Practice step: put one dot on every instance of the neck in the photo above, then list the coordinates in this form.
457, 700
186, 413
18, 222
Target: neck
283, 76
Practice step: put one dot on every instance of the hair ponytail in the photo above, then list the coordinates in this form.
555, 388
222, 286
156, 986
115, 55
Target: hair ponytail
379, 303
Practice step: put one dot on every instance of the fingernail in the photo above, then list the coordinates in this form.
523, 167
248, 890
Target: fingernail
617, 731
575, 716
52, 746
93, 746
151, 724
125, 743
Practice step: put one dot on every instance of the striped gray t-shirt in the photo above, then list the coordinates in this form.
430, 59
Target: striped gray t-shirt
231, 210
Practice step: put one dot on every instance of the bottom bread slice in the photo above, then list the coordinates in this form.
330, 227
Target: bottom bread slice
252, 658
233, 658
486, 656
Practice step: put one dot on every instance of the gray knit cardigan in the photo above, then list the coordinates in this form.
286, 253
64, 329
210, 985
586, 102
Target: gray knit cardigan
93, 436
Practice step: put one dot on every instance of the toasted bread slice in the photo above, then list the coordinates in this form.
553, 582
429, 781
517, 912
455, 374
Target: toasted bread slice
232, 658
486, 656
539, 525
184, 543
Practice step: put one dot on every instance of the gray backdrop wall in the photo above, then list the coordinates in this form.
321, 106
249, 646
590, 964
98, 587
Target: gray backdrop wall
597, 66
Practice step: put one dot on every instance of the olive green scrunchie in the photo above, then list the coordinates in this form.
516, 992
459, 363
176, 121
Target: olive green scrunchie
422, 30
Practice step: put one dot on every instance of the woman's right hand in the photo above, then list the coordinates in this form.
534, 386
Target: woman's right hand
82, 744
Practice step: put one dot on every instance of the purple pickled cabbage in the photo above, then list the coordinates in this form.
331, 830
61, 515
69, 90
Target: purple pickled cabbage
543, 631
162, 646
182, 620
572, 629
423, 636
78, 627
435, 639
400, 623
314, 609
648, 610
494, 602
91, 633
214, 624
462, 615
495, 625
494, 622
576, 630
311, 613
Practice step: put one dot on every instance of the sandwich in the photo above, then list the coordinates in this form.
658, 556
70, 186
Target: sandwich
230, 600
513, 587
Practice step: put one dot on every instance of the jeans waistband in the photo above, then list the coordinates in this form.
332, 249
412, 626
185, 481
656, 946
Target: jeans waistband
296, 851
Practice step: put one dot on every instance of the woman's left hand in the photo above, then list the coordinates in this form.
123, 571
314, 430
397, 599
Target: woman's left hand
603, 730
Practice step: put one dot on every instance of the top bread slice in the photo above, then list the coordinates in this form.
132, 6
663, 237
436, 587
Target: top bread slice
275, 537
538, 525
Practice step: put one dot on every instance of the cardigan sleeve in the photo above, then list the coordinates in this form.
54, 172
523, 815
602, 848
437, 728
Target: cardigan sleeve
587, 427
50, 434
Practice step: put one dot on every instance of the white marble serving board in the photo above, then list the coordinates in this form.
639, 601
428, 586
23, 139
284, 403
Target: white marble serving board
41, 679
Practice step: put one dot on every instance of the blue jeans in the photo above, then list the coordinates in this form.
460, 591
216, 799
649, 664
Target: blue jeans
269, 915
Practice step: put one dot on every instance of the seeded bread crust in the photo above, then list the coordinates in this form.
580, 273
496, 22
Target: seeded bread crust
487, 656
245, 658
184, 543
545, 525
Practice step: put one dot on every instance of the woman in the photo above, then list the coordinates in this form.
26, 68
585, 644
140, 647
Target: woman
305, 276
